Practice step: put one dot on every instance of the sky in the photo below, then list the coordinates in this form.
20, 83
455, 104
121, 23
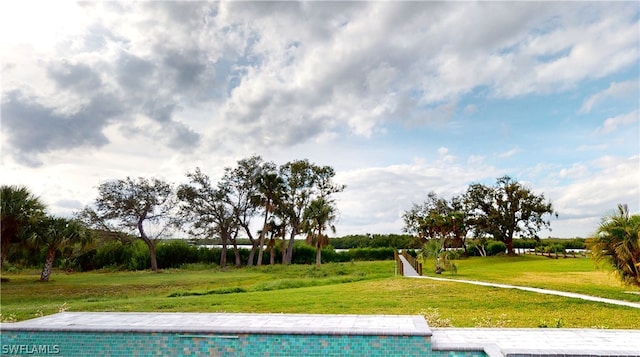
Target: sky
400, 98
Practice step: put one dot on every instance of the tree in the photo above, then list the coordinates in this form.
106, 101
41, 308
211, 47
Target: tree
299, 179
55, 234
435, 249
304, 182
277, 231
20, 211
270, 187
135, 205
506, 210
428, 220
317, 218
208, 211
240, 183
439, 219
618, 243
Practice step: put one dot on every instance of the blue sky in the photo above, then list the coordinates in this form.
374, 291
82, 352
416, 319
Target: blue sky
401, 98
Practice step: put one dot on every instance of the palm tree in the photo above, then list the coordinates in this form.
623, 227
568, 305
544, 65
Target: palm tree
20, 211
618, 243
270, 187
276, 231
54, 234
317, 217
435, 249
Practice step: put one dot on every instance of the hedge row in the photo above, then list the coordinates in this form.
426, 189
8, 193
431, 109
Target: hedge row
135, 256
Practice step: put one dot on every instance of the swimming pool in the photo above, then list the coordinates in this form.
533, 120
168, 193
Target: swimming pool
205, 334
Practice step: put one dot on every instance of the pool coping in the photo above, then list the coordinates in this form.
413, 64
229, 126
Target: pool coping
227, 323
528, 342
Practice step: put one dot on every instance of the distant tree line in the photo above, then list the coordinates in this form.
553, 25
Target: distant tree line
134, 255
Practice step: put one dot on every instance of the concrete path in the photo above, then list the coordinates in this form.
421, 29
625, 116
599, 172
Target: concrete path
520, 342
411, 273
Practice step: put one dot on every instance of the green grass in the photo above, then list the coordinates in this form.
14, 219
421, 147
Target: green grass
348, 288
578, 275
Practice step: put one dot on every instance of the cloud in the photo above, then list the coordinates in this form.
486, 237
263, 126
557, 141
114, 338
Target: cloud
76, 77
154, 88
612, 124
377, 197
34, 128
599, 187
279, 73
509, 153
616, 90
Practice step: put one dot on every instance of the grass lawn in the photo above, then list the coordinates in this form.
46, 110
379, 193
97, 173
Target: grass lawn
578, 275
348, 288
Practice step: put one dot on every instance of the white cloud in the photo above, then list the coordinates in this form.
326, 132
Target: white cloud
377, 196
605, 183
615, 90
576, 171
612, 124
509, 153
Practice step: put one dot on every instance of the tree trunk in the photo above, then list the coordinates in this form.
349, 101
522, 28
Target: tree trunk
48, 264
272, 258
283, 245
262, 234
252, 253
318, 255
289, 256
236, 252
223, 254
149, 242
152, 255
509, 243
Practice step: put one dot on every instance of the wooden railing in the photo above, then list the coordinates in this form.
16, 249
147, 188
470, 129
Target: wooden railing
399, 265
414, 263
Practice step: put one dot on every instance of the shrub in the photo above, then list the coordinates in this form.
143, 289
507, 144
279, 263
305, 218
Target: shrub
303, 254
370, 254
521, 243
556, 248
495, 247
176, 253
129, 256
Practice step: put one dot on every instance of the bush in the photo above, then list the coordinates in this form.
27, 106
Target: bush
370, 254
129, 256
303, 254
520, 243
556, 248
495, 247
176, 253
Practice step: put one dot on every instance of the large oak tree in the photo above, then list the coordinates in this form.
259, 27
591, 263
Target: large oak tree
505, 210
208, 211
135, 205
